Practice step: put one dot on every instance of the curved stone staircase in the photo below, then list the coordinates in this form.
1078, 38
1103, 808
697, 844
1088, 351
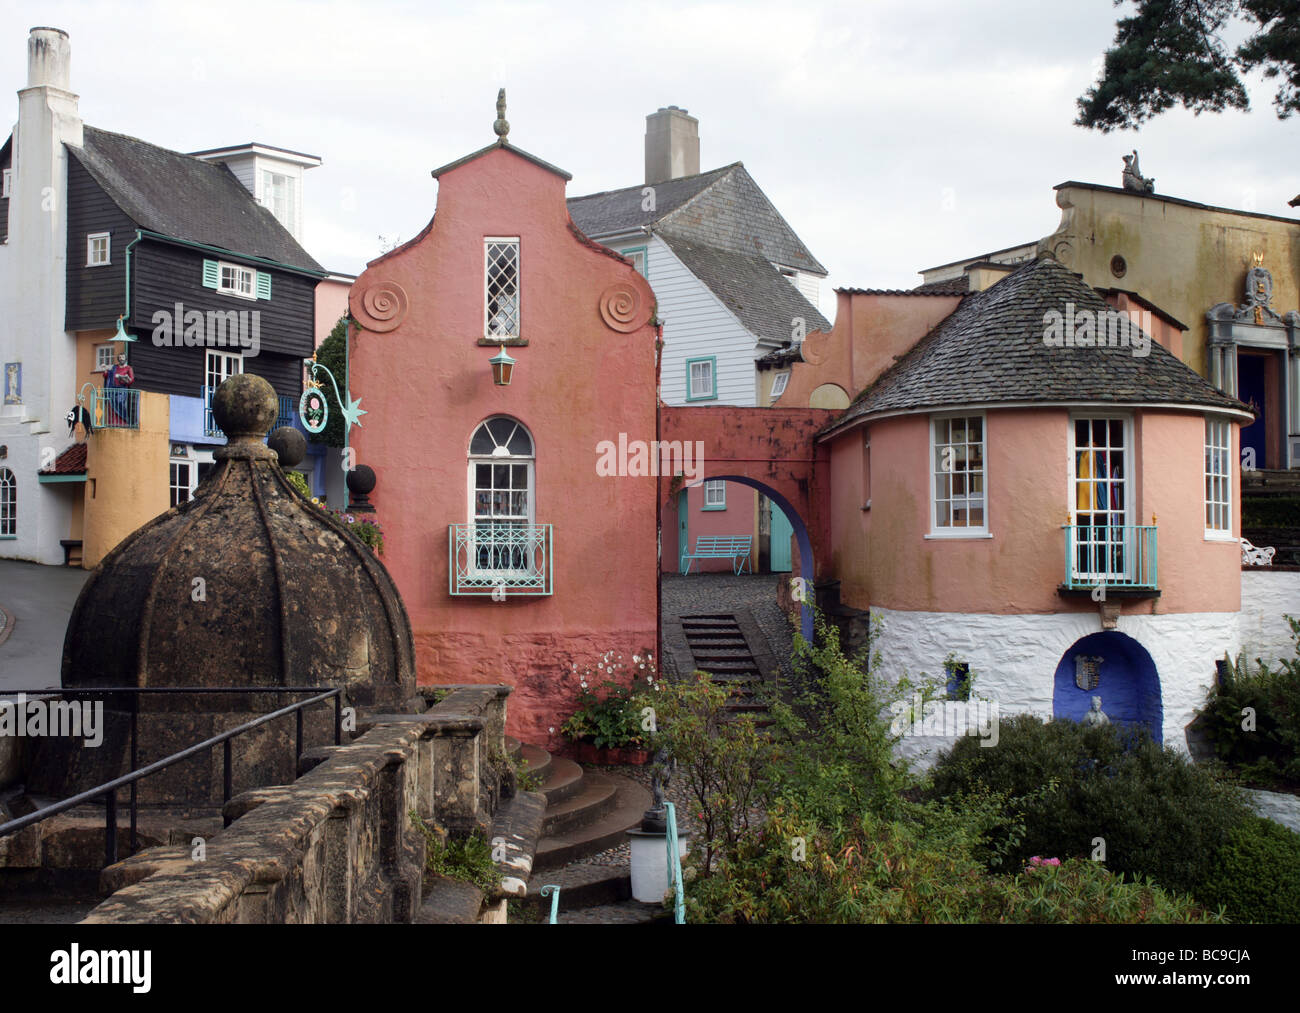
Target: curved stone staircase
587, 811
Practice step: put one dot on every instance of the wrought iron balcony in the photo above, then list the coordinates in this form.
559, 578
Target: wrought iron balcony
1110, 555
499, 558
115, 408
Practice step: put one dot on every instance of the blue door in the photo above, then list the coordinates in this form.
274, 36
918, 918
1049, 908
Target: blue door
782, 532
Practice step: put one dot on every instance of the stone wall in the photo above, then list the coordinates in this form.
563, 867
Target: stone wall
338, 845
1265, 596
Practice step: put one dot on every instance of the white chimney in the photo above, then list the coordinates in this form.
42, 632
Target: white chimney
49, 59
672, 145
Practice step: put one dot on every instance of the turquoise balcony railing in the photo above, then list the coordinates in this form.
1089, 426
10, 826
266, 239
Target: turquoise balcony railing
499, 559
1110, 555
115, 408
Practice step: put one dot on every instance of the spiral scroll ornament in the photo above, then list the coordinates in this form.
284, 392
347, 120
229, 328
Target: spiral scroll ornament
381, 307
622, 308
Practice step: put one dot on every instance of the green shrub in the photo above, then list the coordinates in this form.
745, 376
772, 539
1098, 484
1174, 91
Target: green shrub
299, 481
468, 860
897, 871
1254, 719
721, 758
837, 748
1256, 874
1064, 785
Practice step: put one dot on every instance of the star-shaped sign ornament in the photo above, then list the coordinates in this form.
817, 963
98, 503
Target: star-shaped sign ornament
353, 412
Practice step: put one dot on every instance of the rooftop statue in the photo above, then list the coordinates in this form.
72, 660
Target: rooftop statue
1133, 178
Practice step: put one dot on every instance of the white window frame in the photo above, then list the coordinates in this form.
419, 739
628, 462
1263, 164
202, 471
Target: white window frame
779, 383
471, 511
7, 186
223, 358
91, 239
111, 349
932, 466
8, 504
240, 272
1218, 506
287, 197
187, 460
712, 363
1130, 492
715, 494
488, 243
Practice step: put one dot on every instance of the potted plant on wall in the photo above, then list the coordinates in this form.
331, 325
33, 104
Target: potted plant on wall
607, 726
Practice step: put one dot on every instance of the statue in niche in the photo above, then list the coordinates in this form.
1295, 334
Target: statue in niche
1096, 717
1133, 178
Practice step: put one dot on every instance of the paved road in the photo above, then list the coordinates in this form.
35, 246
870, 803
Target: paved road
40, 600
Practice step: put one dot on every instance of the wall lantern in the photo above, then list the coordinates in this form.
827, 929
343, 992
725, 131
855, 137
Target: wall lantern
502, 367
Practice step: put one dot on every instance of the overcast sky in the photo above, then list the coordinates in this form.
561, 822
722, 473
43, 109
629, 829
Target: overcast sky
892, 135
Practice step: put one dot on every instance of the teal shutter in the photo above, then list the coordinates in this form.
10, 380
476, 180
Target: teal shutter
211, 274
263, 285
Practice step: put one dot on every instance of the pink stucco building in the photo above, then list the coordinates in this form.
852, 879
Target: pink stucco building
1051, 507
517, 560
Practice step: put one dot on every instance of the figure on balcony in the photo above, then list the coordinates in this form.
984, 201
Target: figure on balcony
1096, 717
119, 374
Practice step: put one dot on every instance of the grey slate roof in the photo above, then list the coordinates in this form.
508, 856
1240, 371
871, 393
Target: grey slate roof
186, 198
991, 349
763, 299
614, 211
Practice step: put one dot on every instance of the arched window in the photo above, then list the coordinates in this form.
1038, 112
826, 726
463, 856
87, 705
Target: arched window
8, 504
502, 505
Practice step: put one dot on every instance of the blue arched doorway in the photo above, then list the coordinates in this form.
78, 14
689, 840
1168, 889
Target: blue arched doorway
801, 538
1126, 681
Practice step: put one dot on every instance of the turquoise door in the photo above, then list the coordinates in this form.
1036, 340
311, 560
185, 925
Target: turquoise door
683, 533
782, 532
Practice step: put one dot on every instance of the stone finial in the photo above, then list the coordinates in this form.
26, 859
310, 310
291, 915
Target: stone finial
502, 125
290, 446
245, 407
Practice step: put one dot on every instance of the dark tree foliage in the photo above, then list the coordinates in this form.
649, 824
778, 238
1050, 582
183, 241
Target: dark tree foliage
332, 353
1171, 52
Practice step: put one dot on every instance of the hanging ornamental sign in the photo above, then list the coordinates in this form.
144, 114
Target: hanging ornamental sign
313, 408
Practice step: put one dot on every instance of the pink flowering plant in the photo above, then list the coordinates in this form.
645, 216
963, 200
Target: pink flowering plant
364, 528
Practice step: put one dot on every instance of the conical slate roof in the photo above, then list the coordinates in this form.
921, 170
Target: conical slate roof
993, 349
245, 585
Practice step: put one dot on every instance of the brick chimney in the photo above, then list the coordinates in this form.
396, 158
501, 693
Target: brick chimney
672, 145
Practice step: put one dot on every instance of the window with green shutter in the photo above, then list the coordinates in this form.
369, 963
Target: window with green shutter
211, 274
263, 285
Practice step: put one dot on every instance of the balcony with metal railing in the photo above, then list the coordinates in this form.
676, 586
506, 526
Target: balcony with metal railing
499, 559
115, 408
1120, 557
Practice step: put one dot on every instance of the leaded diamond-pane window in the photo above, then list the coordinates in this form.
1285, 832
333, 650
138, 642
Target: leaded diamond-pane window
502, 288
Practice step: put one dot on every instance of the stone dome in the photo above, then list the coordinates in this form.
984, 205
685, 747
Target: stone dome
247, 584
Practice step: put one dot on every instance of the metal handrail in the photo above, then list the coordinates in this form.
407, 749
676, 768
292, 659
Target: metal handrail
1113, 555
108, 790
675, 865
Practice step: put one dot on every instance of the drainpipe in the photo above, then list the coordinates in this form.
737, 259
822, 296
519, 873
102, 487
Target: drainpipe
121, 329
659, 491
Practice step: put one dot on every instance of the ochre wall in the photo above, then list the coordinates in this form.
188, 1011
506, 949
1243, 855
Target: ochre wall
870, 331
426, 384
126, 479
884, 559
1185, 259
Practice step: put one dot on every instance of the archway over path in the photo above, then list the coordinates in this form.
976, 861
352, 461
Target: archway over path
771, 450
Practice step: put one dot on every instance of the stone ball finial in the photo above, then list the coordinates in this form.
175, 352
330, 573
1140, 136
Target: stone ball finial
361, 480
290, 446
502, 125
245, 406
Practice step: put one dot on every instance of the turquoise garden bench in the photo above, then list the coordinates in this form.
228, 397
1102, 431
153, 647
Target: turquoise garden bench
733, 547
